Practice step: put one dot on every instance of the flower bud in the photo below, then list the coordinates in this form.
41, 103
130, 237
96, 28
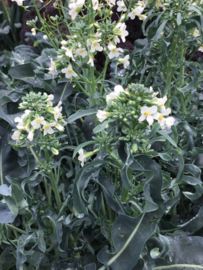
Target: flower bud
54, 151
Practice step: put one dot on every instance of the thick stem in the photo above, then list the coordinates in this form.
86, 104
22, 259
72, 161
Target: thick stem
16, 229
53, 183
55, 189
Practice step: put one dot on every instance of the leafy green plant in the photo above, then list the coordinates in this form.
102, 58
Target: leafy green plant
102, 177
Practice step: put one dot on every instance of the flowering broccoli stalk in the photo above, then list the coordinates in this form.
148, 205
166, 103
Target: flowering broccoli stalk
40, 120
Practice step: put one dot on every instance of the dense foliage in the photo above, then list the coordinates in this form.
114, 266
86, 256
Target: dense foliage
101, 162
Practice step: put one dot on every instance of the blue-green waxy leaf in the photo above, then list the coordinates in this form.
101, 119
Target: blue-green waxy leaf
129, 236
6, 216
154, 130
109, 192
91, 266
185, 253
124, 171
21, 72
179, 18
100, 127
160, 29
161, 132
79, 114
81, 181
165, 156
5, 190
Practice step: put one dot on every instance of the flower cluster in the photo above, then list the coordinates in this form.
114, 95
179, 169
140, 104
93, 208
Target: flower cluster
39, 119
196, 34
136, 108
137, 10
135, 96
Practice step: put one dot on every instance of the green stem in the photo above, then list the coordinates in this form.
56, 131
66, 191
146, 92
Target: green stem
124, 194
63, 206
74, 244
103, 210
16, 229
104, 75
148, 77
43, 24
110, 215
55, 189
48, 191
53, 183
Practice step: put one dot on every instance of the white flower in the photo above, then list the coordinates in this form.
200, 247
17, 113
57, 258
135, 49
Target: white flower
55, 4
160, 5
30, 135
59, 127
48, 127
81, 51
125, 61
136, 11
97, 35
116, 40
73, 13
120, 29
95, 4
81, 157
169, 121
33, 31
160, 118
50, 97
96, 46
64, 42
142, 17
20, 122
165, 111
102, 115
114, 52
69, 72
121, 6
161, 102
19, 2
16, 135
91, 61
75, 8
68, 53
57, 112
117, 90
45, 37
200, 49
148, 114
196, 33
37, 122
26, 113
111, 3
52, 69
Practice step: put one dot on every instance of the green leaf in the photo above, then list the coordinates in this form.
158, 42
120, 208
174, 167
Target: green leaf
100, 127
6, 216
167, 137
154, 130
160, 29
179, 18
128, 236
124, 171
79, 114
165, 156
